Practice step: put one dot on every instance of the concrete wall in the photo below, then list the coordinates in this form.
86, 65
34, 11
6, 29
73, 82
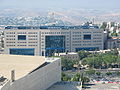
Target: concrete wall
41, 79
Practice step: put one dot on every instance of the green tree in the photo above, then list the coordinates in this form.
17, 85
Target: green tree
104, 25
107, 59
68, 63
78, 77
115, 52
85, 80
83, 54
108, 73
114, 34
98, 73
65, 77
90, 72
118, 73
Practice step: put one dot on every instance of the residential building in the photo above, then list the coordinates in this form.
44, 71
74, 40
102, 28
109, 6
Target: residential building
47, 40
28, 72
113, 43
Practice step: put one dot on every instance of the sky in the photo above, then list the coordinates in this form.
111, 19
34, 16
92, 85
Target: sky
69, 4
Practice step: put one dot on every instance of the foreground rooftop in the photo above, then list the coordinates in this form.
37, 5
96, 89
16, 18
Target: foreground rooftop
21, 64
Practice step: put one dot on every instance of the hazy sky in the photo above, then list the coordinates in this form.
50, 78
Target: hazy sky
92, 4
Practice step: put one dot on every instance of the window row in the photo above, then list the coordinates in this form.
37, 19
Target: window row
97, 41
77, 41
76, 32
32, 45
76, 44
76, 38
32, 32
9, 45
21, 45
32, 42
97, 38
10, 32
10, 35
21, 32
32, 35
32, 39
10, 42
10, 39
76, 35
87, 32
51, 32
21, 42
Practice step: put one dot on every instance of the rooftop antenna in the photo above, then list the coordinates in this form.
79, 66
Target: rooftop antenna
13, 75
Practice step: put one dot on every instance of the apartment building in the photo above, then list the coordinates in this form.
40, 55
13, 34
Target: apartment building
47, 40
113, 43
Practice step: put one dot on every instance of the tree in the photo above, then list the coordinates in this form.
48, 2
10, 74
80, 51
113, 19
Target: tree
107, 59
104, 25
83, 54
65, 77
93, 62
108, 73
114, 34
98, 73
118, 73
78, 77
115, 52
85, 80
68, 63
90, 72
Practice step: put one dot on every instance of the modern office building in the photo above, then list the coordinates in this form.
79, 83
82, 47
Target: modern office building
46, 40
28, 72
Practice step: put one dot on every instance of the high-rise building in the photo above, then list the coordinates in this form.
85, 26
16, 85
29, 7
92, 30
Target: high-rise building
46, 40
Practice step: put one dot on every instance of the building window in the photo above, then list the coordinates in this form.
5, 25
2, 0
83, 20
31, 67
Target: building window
87, 37
22, 51
54, 44
21, 37
87, 48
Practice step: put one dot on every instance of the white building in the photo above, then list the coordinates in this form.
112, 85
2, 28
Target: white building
69, 55
113, 43
28, 72
46, 40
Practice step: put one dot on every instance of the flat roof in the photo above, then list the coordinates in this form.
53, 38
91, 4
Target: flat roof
53, 27
21, 64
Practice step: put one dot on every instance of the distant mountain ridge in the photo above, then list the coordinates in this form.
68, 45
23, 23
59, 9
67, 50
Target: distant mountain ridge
60, 17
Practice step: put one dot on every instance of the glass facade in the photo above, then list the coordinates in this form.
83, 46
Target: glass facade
22, 51
54, 44
21, 37
87, 49
87, 37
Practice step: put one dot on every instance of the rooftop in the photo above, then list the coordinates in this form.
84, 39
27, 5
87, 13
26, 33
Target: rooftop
52, 27
21, 64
